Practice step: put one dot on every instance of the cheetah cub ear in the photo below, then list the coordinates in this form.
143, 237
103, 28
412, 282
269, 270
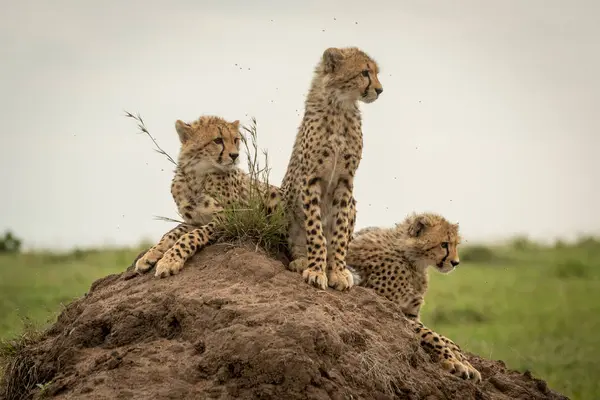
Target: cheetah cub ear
183, 130
417, 227
331, 59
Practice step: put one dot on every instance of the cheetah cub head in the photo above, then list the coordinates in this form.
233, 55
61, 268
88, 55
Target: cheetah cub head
432, 241
209, 144
350, 74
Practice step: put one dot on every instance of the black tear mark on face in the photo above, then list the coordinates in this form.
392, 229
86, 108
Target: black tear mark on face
368, 75
445, 257
445, 245
221, 142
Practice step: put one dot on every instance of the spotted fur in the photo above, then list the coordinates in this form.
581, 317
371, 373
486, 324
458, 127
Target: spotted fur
394, 263
318, 185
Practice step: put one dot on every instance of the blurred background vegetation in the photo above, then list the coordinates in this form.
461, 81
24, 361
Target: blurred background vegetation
534, 306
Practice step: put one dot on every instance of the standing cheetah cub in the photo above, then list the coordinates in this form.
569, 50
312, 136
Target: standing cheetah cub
394, 263
206, 180
317, 187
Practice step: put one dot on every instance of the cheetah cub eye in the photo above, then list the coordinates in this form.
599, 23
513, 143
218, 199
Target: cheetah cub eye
445, 245
365, 72
218, 140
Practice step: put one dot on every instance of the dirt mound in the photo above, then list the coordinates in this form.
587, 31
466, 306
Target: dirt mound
235, 324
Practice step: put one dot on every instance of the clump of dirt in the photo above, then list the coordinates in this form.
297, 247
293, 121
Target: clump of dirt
234, 324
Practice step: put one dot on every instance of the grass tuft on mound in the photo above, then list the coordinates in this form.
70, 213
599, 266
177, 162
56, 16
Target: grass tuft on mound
18, 372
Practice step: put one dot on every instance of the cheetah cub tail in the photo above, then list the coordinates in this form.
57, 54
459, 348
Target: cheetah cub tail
355, 274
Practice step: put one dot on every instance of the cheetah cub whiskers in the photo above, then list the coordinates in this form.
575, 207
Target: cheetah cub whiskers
318, 185
206, 180
394, 263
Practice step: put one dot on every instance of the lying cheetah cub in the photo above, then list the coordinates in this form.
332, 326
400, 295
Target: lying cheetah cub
318, 185
206, 179
394, 263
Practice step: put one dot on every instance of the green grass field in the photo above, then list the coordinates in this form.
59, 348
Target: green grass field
534, 307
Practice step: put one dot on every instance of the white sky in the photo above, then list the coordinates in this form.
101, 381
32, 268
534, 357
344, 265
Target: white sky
490, 113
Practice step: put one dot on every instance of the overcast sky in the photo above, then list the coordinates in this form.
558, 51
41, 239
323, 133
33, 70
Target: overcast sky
490, 114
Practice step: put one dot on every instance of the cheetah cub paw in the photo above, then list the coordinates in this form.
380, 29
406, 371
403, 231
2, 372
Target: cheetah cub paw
341, 279
461, 358
315, 277
465, 371
473, 373
168, 266
148, 260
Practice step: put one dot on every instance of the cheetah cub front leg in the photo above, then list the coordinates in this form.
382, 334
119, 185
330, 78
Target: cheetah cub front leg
187, 245
315, 272
450, 357
343, 214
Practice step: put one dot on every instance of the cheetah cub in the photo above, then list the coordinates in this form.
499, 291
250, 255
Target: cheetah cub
317, 188
394, 263
207, 179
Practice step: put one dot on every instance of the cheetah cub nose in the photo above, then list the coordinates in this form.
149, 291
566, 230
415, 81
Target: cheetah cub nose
379, 91
233, 156
454, 263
